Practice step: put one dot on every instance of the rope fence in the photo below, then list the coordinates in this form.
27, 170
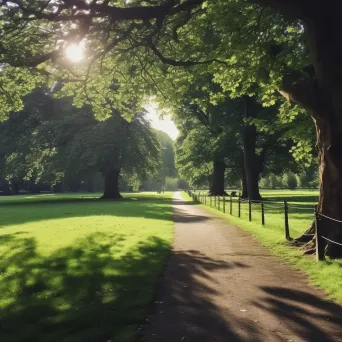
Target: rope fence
321, 240
219, 202
330, 218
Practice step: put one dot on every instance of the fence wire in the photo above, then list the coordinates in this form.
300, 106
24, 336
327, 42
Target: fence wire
277, 206
336, 243
300, 208
268, 204
330, 218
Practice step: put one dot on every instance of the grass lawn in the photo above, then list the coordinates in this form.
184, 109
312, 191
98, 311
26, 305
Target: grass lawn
326, 275
74, 268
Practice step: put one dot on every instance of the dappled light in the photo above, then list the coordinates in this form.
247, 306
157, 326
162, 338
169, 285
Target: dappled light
189, 150
71, 269
222, 285
80, 292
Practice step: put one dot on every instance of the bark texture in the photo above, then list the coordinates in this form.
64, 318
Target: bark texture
111, 184
244, 184
217, 183
251, 160
322, 97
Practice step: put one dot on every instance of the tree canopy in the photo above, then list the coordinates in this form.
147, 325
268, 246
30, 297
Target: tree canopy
50, 140
277, 53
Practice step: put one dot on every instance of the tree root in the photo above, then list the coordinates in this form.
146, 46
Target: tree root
309, 248
306, 242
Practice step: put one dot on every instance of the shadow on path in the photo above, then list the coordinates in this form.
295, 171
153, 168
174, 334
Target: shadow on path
188, 307
305, 310
221, 286
184, 309
181, 215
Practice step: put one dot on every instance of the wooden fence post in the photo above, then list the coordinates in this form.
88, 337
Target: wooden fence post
286, 217
262, 213
218, 203
224, 204
249, 210
231, 205
320, 245
215, 201
239, 210
210, 200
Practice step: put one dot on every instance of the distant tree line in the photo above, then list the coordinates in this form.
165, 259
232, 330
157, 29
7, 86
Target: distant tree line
51, 145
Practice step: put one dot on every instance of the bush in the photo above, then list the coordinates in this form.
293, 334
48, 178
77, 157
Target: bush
265, 182
290, 181
275, 182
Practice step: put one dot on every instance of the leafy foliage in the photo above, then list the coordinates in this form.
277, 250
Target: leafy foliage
50, 140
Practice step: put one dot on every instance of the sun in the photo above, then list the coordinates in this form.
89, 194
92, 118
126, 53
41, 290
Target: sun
75, 52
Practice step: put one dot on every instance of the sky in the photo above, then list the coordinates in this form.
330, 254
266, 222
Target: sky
164, 124
76, 53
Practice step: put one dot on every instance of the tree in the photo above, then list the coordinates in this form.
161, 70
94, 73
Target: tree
290, 181
272, 46
238, 141
113, 146
206, 145
52, 140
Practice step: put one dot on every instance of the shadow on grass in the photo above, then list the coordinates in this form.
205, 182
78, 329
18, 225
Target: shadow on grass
36, 210
80, 293
304, 198
79, 199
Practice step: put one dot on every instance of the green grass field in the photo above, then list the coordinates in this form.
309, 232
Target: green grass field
326, 275
74, 268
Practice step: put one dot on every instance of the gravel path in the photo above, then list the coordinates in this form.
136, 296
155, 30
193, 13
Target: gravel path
221, 285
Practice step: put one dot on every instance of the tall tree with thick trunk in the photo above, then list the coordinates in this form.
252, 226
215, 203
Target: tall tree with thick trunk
251, 160
111, 184
217, 183
322, 97
255, 37
115, 146
244, 184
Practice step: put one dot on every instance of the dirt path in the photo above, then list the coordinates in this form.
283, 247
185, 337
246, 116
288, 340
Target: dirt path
221, 285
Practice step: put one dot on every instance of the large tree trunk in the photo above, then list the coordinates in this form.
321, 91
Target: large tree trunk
324, 33
244, 184
324, 100
251, 160
330, 172
15, 187
217, 184
111, 184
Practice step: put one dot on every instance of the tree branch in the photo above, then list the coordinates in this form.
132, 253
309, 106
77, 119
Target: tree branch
297, 88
